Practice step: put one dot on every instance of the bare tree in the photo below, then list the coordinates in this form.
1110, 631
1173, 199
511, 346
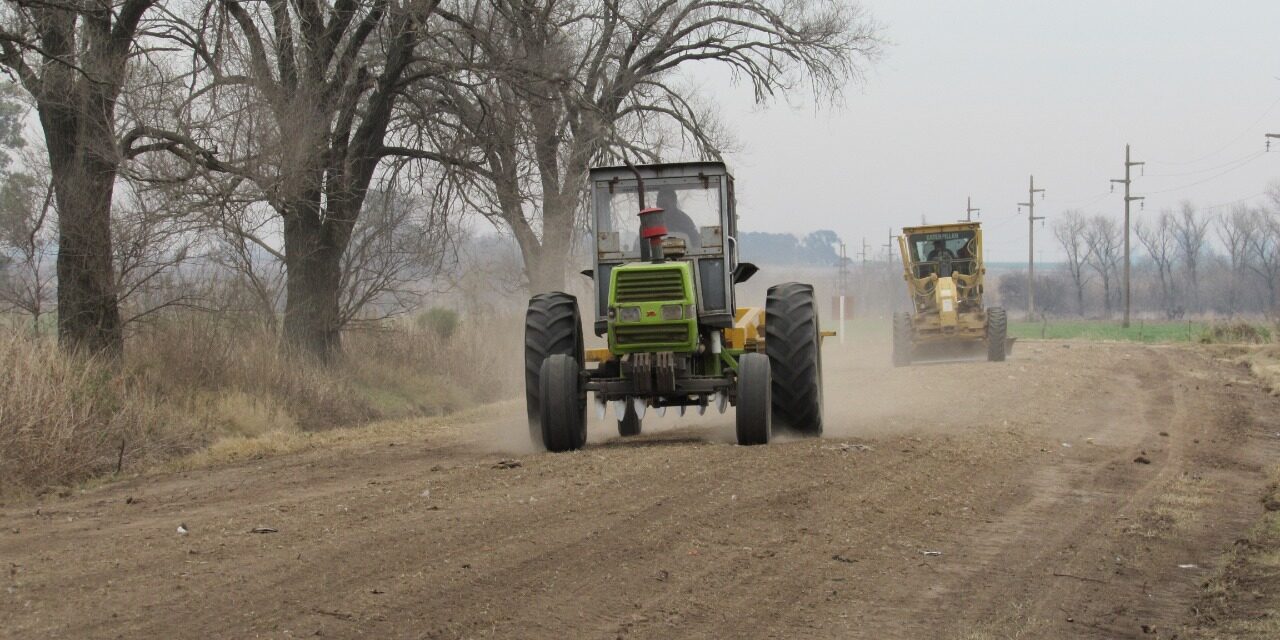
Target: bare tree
1159, 241
400, 242
550, 88
1070, 230
1190, 231
299, 97
72, 57
154, 239
1235, 230
1105, 242
1264, 254
27, 222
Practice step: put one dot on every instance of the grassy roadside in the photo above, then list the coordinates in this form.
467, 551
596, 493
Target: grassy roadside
1243, 600
199, 391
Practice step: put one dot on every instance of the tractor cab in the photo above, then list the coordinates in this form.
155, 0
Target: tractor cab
697, 219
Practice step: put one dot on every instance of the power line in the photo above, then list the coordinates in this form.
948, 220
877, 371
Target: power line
1244, 158
1228, 144
1210, 178
1227, 204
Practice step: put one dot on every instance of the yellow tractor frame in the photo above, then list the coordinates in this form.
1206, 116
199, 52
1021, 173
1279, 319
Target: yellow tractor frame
948, 316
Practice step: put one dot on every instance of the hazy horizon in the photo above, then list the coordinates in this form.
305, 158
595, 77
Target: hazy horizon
970, 100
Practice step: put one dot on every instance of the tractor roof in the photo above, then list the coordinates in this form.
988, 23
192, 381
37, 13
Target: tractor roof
666, 170
935, 228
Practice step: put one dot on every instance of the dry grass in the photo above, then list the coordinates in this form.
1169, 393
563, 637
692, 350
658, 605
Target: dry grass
1264, 363
192, 384
1243, 599
63, 419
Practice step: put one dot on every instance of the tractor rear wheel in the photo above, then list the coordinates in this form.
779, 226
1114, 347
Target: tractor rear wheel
902, 334
792, 342
997, 333
629, 423
552, 325
563, 410
753, 415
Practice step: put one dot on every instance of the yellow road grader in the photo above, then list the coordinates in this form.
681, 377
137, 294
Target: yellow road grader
943, 269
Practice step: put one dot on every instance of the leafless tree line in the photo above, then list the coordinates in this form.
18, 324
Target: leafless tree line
1185, 261
315, 158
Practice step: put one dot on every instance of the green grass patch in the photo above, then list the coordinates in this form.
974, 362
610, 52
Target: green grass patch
1149, 332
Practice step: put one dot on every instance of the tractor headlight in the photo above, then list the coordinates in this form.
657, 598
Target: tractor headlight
672, 312
629, 314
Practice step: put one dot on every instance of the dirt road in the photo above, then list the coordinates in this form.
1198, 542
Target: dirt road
1077, 490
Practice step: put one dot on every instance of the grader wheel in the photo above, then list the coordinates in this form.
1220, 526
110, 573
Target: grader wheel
997, 334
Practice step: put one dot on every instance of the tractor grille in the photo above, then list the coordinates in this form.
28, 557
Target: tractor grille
650, 285
626, 335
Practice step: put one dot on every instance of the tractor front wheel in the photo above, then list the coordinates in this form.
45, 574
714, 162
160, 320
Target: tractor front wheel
997, 334
563, 410
902, 334
551, 326
792, 342
753, 414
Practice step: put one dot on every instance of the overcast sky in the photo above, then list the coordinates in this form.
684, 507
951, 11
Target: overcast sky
973, 97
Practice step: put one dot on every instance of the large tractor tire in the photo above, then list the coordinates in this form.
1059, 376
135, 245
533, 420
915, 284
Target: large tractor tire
997, 334
563, 407
754, 414
792, 342
552, 326
629, 423
902, 337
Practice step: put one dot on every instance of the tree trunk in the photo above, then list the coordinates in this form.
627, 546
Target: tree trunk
83, 168
313, 279
546, 264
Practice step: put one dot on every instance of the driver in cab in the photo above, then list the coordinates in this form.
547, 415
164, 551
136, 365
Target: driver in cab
940, 250
677, 221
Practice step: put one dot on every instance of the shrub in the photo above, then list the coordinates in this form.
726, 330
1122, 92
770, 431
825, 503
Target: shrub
443, 322
1235, 332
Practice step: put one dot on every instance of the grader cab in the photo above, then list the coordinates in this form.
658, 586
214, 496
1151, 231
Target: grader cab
943, 268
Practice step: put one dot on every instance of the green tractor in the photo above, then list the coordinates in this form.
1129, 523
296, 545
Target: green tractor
665, 268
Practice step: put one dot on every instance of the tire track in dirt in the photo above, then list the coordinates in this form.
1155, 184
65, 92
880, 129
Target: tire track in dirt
677, 534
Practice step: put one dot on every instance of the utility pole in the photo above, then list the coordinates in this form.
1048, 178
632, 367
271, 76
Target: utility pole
888, 250
1030, 204
863, 254
844, 286
844, 270
1128, 179
969, 210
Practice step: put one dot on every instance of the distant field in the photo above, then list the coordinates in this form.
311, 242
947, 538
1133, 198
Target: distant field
1109, 330
1139, 331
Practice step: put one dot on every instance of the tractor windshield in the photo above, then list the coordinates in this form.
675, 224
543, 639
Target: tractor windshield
930, 250
689, 205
